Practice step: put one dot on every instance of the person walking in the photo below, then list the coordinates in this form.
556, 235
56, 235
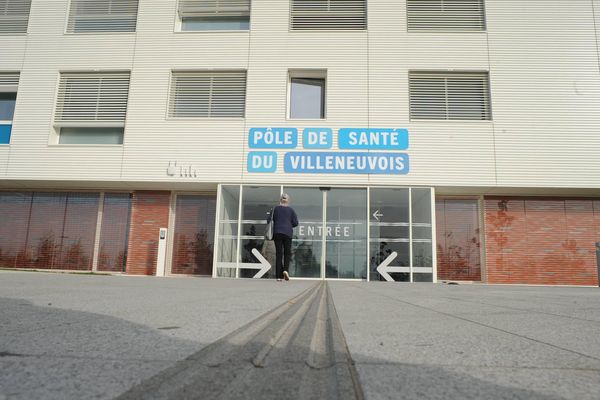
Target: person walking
284, 221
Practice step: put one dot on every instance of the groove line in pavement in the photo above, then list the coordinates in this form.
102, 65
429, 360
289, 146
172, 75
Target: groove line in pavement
522, 309
295, 351
480, 324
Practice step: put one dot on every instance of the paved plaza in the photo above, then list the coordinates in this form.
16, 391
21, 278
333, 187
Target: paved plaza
66, 336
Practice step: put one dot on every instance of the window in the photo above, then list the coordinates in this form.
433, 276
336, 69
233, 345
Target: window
14, 16
207, 94
91, 107
450, 95
307, 94
446, 15
328, 15
8, 98
97, 16
214, 15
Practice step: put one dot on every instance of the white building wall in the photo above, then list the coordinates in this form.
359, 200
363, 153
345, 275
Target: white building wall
546, 92
542, 56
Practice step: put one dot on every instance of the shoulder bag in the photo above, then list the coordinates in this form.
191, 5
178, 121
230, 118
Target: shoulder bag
269, 229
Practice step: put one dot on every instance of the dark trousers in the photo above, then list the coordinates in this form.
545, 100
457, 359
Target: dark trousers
283, 252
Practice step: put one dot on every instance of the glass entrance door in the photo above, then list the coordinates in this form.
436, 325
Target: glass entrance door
344, 233
307, 243
341, 230
346, 230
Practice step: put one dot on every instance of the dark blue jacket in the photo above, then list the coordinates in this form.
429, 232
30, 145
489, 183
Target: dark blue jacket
284, 220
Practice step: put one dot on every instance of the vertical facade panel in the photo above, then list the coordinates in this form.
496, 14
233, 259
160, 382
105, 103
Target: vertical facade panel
152, 139
545, 87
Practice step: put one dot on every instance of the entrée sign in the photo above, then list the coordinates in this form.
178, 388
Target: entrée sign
390, 141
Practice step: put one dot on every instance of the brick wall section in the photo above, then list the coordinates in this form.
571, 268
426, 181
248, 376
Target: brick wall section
541, 241
149, 213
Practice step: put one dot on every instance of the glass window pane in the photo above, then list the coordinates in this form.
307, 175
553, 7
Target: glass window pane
194, 235
307, 243
419, 277
257, 201
307, 99
76, 245
241, 23
7, 106
15, 208
389, 228
5, 131
422, 254
421, 206
91, 136
381, 249
228, 230
45, 230
346, 234
114, 232
458, 239
421, 229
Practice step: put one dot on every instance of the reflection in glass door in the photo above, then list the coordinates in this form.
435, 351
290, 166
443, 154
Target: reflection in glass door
256, 202
307, 243
346, 233
401, 233
390, 232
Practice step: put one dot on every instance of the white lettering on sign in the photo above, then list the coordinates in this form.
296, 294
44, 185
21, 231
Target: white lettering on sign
317, 138
338, 231
262, 162
373, 138
274, 138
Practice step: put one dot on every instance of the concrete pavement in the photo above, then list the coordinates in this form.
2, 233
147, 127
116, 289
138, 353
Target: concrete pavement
472, 341
66, 336
82, 336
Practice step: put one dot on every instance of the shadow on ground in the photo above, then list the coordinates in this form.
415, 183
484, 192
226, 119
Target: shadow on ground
53, 353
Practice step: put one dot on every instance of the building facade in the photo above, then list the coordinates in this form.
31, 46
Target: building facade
419, 140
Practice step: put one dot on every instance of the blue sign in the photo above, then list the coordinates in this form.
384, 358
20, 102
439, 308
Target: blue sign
346, 163
273, 138
317, 138
262, 161
373, 139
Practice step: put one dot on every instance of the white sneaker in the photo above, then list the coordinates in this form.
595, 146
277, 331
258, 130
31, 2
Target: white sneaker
278, 280
286, 276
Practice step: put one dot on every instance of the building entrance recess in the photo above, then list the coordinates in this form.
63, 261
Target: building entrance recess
363, 233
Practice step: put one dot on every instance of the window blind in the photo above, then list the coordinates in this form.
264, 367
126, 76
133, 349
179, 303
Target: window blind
208, 94
213, 8
14, 16
449, 96
446, 15
93, 97
9, 82
102, 16
328, 14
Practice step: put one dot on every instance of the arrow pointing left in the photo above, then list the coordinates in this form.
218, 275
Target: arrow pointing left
384, 268
377, 214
